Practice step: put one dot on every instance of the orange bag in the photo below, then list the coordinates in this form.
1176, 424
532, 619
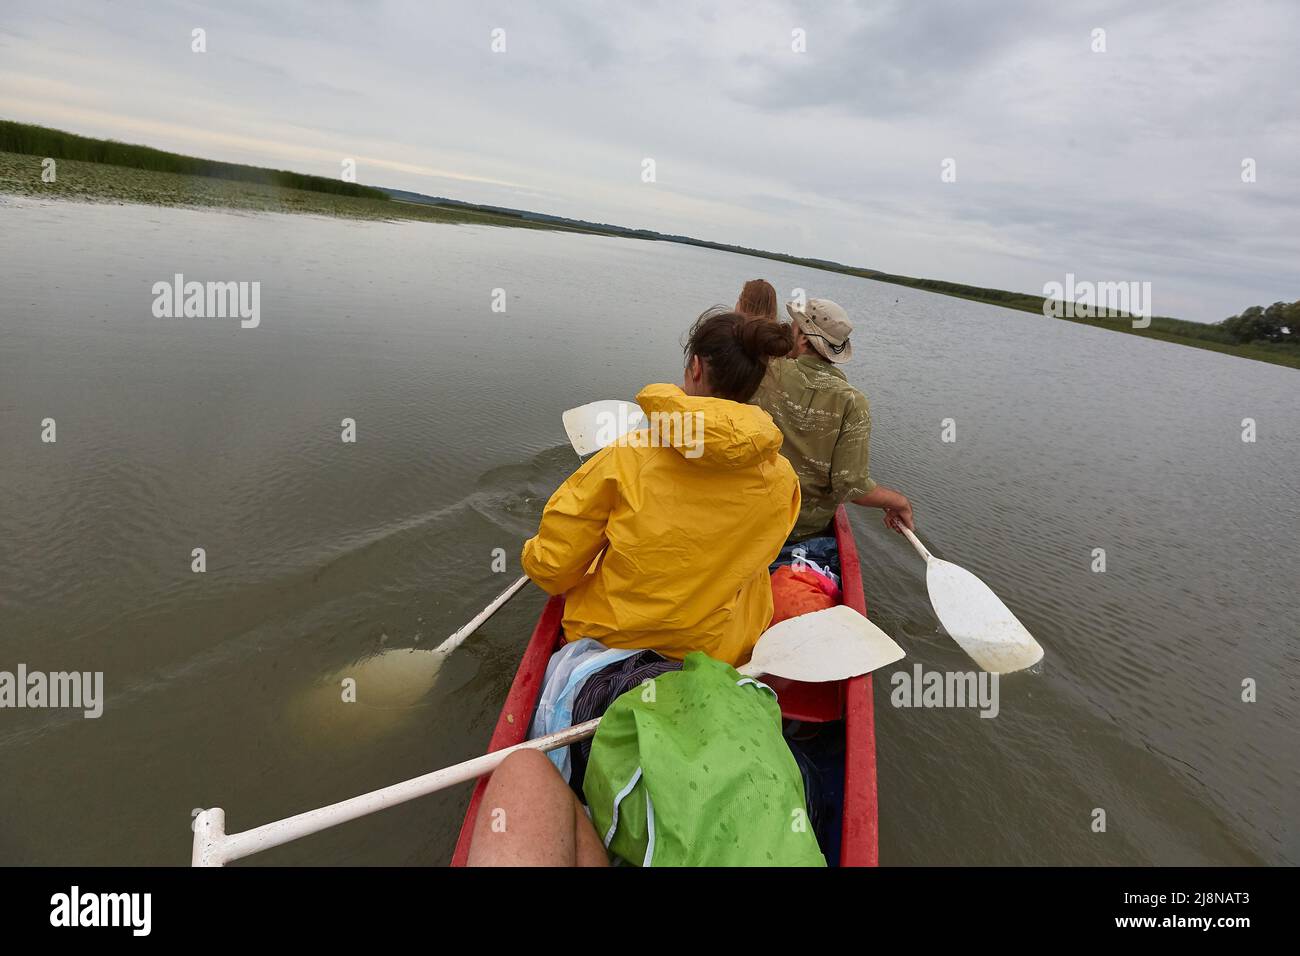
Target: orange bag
798, 592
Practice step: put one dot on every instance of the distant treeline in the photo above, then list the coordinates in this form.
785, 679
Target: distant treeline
42, 141
1035, 303
1280, 322
1256, 324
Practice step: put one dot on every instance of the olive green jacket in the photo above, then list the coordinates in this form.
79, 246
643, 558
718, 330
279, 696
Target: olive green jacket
827, 427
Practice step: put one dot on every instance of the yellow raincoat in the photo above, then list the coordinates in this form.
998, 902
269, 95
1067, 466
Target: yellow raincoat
681, 522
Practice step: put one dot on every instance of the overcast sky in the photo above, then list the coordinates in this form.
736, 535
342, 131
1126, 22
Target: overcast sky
1116, 165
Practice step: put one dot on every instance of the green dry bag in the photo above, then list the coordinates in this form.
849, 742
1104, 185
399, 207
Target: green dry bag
690, 769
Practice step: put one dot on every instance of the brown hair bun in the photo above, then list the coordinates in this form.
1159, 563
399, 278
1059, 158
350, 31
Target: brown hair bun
736, 349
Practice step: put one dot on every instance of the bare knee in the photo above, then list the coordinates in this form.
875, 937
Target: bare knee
525, 768
526, 817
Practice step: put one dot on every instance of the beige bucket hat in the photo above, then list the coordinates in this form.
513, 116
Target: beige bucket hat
827, 328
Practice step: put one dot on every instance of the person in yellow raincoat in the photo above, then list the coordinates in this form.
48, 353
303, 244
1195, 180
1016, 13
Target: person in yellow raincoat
663, 540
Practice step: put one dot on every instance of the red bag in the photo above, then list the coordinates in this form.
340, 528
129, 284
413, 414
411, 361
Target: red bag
799, 592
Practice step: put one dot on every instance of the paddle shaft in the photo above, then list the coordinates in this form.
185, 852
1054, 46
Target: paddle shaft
453, 642
214, 847
920, 548
457, 639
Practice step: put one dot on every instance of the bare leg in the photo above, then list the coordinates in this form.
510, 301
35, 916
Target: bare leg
591, 852
530, 817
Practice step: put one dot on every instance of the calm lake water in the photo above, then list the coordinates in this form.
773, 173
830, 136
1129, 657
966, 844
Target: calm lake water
175, 434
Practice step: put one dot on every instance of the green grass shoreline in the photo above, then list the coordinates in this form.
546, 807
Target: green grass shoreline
20, 174
81, 181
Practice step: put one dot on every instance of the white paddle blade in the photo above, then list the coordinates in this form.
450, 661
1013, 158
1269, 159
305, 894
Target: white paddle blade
978, 621
830, 645
592, 426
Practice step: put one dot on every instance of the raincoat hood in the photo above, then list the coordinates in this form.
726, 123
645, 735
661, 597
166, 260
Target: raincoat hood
713, 431
663, 540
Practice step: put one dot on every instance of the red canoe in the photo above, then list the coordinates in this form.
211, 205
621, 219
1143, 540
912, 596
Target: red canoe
840, 712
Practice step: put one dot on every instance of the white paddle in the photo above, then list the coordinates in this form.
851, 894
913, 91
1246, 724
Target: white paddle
975, 617
828, 645
592, 426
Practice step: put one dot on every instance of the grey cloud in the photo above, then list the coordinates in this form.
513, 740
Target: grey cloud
907, 56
